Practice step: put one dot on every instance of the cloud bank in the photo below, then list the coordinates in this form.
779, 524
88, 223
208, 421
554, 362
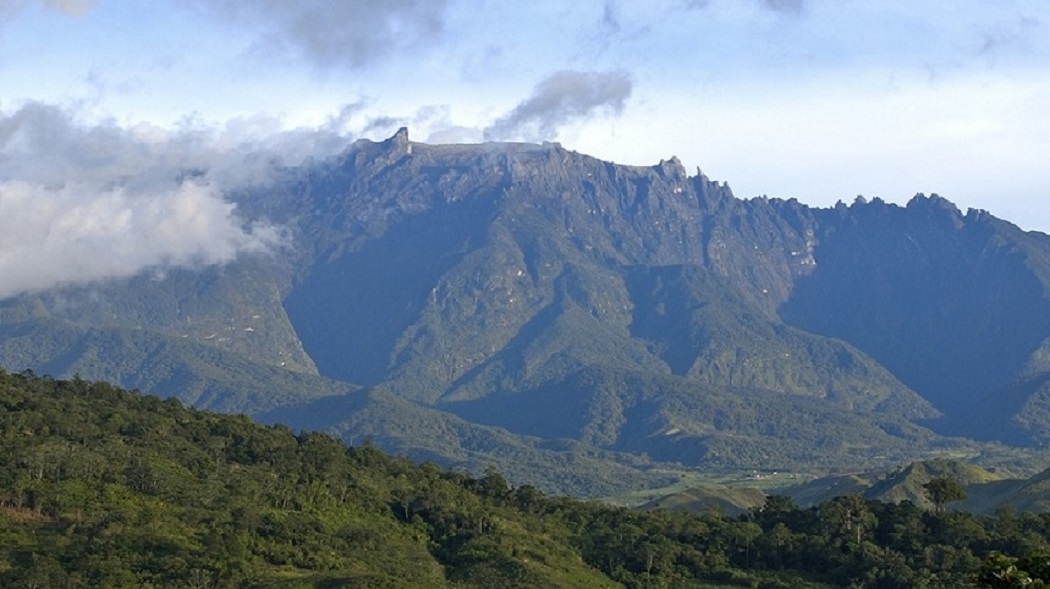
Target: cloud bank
78, 234
88, 202
561, 98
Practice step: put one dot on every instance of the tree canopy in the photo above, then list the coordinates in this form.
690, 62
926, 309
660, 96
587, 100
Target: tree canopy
943, 490
105, 488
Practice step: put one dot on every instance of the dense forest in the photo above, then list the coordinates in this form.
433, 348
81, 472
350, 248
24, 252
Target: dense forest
104, 488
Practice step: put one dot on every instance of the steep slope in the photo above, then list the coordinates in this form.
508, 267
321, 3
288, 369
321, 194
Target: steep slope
216, 337
503, 283
236, 308
987, 492
955, 306
1023, 495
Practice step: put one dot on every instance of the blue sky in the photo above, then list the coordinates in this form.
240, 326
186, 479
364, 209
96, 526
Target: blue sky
102, 102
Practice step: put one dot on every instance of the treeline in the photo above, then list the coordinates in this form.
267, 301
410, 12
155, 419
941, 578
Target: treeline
104, 488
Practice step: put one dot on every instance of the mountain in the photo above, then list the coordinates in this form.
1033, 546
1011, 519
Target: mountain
954, 305
581, 323
987, 492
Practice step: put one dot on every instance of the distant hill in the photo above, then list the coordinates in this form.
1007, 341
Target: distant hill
581, 323
987, 492
726, 500
907, 483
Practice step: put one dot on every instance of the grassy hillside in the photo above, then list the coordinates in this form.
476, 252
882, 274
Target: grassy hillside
906, 484
728, 500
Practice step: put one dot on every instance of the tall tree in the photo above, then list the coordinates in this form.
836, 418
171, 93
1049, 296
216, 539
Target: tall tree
943, 490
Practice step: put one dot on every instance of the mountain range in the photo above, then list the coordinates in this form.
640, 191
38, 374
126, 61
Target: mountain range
586, 326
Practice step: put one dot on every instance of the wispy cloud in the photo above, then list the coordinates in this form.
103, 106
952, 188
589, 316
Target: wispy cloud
784, 6
348, 33
73, 7
559, 99
1012, 35
610, 22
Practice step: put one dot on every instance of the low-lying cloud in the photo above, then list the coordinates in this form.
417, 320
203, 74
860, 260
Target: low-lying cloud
561, 98
78, 234
84, 202
348, 33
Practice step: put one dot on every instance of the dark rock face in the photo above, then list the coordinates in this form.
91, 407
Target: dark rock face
629, 309
949, 303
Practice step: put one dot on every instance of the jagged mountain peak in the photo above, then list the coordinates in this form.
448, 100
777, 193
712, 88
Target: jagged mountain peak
933, 201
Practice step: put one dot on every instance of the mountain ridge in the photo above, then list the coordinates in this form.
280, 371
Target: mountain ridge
557, 296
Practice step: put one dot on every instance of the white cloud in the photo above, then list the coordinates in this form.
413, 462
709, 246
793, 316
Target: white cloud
83, 202
77, 234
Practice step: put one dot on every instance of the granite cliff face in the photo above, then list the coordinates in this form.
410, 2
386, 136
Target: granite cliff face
953, 305
546, 295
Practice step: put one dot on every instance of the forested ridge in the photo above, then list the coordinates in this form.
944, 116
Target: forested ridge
104, 488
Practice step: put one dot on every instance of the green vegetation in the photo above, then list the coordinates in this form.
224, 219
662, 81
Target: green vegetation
103, 488
941, 491
700, 499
